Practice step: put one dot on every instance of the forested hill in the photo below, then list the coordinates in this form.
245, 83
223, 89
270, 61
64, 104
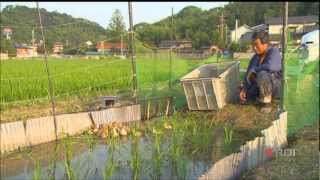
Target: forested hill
201, 26
191, 23
58, 27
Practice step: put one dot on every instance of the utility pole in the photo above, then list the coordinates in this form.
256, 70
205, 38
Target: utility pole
284, 41
221, 26
226, 32
33, 42
121, 45
236, 30
134, 74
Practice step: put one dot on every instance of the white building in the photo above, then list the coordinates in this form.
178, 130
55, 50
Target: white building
309, 48
238, 32
297, 25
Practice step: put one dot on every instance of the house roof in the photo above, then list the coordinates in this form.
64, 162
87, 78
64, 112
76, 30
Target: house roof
243, 26
22, 46
109, 45
246, 26
246, 36
259, 27
293, 20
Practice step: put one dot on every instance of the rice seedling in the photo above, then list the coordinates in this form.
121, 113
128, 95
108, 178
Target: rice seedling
176, 152
156, 160
135, 159
51, 171
67, 158
90, 141
228, 135
182, 168
110, 162
37, 171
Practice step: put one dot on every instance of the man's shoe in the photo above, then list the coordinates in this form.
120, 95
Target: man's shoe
265, 99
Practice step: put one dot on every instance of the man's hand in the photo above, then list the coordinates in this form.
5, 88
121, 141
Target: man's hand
243, 96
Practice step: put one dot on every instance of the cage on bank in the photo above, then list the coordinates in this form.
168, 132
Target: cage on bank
212, 86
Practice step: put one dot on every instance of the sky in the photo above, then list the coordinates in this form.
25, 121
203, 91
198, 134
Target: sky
101, 12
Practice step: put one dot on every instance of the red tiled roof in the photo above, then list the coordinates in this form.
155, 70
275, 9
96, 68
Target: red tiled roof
108, 45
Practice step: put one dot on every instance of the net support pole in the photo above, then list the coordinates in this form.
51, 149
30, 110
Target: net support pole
284, 41
171, 37
50, 86
134, 74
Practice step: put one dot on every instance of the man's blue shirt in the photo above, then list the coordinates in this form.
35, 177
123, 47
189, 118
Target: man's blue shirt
271, 63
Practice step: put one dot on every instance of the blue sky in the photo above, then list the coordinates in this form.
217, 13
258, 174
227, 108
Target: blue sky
101, 12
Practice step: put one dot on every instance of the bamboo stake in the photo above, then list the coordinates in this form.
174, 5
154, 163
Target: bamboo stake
284, 39
148, 110
50, 86
168, 105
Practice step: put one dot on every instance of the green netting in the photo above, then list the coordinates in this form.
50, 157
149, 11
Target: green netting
301, 90
155, 74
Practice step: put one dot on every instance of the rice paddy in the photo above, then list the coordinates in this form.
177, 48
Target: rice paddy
182, 146
77, 82
26, 80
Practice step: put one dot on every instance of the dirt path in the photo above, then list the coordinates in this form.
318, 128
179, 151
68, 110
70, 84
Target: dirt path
303, 165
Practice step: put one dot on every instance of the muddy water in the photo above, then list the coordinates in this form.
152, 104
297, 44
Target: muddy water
89, 160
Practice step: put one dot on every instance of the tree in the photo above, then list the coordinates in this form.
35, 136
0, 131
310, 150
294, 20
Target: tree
23, 19
6, 46
116, 27
200, 39
235, 47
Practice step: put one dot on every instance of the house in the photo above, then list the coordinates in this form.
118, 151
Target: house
238, 32
247, 37
111, 48
182, 44
25, 51
7, 32
309, 46
244, 33
297, 25
57, 49
4, 56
